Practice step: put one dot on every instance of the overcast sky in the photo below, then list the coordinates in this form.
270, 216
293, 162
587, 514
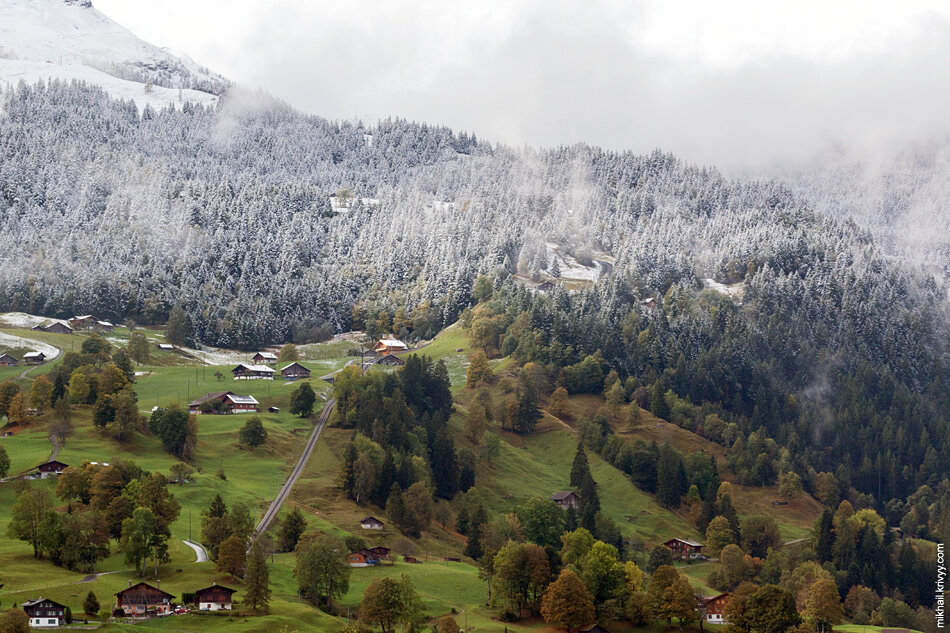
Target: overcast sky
735, 84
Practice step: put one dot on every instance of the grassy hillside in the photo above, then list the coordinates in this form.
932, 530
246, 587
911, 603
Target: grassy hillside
534, 465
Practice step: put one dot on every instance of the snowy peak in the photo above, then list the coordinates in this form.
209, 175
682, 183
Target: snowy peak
70, 39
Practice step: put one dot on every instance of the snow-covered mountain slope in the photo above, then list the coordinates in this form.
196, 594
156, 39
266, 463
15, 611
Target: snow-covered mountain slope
70, 39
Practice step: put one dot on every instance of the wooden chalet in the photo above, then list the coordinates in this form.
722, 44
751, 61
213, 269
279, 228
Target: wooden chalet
382, 553
51, 469
294, 371
8, 361
224, 402
592, 628
362, 558
253, 372
649, 302
371, 523
214, 598
34, 358
545, 286
389, 345
566, 499
142, 600
390, 360
56, 327
264, 357
713, 608
684, 548
44, 612
89, 322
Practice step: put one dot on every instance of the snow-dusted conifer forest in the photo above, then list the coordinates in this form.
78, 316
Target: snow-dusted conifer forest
227, 212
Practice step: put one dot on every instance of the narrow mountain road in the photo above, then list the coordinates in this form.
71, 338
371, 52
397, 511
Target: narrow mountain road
201, 554
274, 508
56, 448
798, 540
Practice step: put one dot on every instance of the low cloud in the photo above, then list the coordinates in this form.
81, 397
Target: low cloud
618, 75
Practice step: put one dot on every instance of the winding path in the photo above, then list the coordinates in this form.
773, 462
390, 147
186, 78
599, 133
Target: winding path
201, 554
298, 469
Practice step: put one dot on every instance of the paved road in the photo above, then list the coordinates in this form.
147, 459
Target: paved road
201, 554
295, 473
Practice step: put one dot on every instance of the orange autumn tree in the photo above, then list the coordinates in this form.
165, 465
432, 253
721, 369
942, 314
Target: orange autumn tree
567, 603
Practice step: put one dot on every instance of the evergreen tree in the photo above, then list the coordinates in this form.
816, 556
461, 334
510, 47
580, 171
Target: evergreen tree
824, 535
658, 406
291, 529
445, 468
580, 469
178, 329
257, 591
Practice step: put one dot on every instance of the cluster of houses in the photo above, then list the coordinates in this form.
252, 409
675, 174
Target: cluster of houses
259, 369
85, 322
30, 358
369, 556
140, 600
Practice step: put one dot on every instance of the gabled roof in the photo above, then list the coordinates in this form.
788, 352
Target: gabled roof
294, 364
40, 600
370, 519
558, 496
209, 396
84, 317
216, 586
144, 585
716, 597
261, 368
2, 356
267, 355
685, 541
236, 399
53, 463
105, 323
165, 346
34, 355
392, 342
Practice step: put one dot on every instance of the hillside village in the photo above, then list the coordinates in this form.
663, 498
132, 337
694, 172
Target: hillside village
217, 474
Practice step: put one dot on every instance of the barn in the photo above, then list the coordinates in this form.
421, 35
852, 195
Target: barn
34, 358
143, 599
252, 372
389, 345
8, 361
224, 402
294, 371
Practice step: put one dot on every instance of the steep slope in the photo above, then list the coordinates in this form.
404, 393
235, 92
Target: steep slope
71, 40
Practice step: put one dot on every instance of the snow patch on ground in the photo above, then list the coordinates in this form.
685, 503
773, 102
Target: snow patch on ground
9, 340
734, 290
23, 320
218, 356
571, 269
351, 203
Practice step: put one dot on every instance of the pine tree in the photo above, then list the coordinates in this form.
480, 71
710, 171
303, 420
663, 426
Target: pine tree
824, 536
90, 605
580, 470
658, 406
257, 581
